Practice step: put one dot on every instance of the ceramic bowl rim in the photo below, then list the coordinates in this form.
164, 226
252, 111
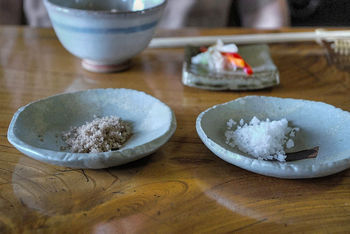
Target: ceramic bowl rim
69, 10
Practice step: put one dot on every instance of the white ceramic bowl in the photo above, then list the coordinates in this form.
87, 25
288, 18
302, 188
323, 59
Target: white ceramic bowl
320, 125
36, 128
105, 34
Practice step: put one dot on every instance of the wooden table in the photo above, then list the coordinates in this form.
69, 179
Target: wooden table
183, 187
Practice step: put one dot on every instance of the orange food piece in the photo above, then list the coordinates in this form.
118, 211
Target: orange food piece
236, 59
238, 62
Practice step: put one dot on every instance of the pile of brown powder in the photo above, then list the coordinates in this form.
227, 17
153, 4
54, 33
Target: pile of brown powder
101, 135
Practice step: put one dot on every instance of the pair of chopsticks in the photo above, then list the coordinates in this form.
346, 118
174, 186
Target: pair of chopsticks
172, 42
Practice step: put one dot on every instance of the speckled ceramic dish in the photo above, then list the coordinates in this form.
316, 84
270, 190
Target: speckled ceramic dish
36, 128
321, 125
257, 56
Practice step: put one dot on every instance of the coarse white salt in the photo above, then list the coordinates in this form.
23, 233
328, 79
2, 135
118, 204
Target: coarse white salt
231, 123
262, 139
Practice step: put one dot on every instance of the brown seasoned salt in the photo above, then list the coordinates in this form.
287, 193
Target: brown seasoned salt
101, 135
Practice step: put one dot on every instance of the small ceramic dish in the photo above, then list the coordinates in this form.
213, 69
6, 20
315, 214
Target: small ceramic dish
320, 125
257, 56
36, 128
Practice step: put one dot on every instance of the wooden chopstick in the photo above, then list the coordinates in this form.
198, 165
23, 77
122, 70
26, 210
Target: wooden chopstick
171, 42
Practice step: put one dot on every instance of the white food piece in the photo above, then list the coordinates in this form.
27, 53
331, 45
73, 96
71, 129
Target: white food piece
214, 59
229, 48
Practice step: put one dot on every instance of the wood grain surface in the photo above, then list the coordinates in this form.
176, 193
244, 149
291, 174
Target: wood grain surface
183, 187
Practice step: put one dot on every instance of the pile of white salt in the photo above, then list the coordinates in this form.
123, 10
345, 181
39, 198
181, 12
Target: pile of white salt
262, 139
100, 135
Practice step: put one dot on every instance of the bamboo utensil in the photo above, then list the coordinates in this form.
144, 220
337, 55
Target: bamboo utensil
171, 42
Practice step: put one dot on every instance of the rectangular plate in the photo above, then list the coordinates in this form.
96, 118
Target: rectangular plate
257, 56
